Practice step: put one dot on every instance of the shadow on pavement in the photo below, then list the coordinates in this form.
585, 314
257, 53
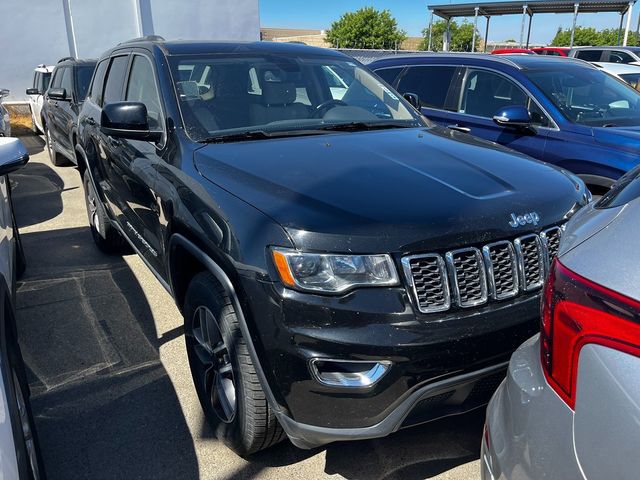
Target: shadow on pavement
36, 191
103, 402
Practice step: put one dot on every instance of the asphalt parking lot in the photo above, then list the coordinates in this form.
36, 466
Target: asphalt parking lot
111, 389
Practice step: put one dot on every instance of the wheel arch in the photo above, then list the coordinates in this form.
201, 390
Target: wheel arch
183, 249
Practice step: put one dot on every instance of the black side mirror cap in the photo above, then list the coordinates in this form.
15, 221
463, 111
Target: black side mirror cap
13, 155
413, 99
57, 93
127, 120
33, 91
515, 116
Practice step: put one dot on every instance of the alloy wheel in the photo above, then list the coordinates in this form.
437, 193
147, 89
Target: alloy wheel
215, 368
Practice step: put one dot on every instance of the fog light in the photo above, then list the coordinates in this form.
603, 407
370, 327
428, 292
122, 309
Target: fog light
348, 373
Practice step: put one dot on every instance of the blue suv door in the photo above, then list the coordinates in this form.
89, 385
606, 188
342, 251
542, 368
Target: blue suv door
467, 98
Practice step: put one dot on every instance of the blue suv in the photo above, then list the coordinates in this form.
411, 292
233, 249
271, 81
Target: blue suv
559, 110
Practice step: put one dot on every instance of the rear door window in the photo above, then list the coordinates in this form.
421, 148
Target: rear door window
589, 55
431, 83
115, 79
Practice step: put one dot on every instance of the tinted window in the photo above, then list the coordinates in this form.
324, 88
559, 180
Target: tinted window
142, 88
389, 75
45, 78
431, 84
589, 55
83, 78
98, 79
57, 77
36, 80
66, 81
620, 57
487, 92
115, 80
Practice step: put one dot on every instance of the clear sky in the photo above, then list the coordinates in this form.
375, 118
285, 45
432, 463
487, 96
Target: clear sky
412, 17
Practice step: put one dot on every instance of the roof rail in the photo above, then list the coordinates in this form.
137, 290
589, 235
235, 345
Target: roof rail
146, 38
66, 58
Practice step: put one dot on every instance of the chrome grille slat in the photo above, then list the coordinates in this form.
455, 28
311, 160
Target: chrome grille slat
531, 261
468, 277
502, 270
427, 275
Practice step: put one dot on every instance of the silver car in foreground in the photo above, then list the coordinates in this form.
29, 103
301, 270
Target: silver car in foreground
570, 405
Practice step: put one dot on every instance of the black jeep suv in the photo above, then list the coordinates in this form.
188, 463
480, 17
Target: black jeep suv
62, 104
344, 267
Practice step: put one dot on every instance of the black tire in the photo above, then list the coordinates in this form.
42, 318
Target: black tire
105, 236
251, 425
29, 452
56, 159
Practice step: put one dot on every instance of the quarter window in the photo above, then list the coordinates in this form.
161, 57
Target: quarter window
431, 84
142, 88
115, 80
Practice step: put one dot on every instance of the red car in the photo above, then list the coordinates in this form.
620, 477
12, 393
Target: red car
511, 51
555, 51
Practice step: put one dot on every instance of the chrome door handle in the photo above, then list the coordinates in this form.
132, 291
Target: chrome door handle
90, 121
459, 128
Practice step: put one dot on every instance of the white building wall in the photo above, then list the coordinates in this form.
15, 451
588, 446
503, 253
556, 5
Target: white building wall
39, 31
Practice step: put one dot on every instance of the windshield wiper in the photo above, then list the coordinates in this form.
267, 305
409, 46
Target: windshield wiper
257, 135
360, 126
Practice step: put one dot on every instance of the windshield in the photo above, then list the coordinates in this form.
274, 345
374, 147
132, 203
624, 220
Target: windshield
221, 95
632, 79
589, 97
83, 78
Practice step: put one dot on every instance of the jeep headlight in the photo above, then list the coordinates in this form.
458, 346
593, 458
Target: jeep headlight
333, 273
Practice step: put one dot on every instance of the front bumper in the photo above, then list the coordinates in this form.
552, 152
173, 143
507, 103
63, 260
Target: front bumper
440, 365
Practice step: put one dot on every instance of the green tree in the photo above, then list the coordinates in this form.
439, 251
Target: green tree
591, 36
366, 28
461, 36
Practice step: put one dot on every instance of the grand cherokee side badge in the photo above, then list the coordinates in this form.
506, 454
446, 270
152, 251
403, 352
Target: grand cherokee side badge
521, 220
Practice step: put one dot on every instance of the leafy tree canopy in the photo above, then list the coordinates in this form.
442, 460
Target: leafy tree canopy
461, 36
590, 36
366, 28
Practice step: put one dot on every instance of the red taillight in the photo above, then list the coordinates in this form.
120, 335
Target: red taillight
575, 312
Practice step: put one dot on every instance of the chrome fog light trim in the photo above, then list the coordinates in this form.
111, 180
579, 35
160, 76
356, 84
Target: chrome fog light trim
348, 373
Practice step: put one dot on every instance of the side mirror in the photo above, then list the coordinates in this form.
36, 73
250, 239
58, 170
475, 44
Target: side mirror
413, 99
13, 155
33, 91
515, 116
57, 93
127, 120
4, 92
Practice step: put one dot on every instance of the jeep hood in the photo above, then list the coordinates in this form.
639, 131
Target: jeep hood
391, 190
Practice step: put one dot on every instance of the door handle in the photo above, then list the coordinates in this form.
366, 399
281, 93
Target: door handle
90, 121
114, 143
459, 128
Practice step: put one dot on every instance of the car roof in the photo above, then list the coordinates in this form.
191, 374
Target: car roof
76, 61
609, 47
191, 47
520, 62
618, 67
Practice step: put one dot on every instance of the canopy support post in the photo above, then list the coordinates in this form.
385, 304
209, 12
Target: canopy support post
486, 34
430, 32
626, 30
475, 27
576, 6
524, 18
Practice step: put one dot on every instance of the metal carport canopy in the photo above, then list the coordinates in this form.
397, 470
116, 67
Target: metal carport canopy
531, 7
492, 9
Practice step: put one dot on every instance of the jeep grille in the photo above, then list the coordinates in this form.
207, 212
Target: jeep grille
470, 277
